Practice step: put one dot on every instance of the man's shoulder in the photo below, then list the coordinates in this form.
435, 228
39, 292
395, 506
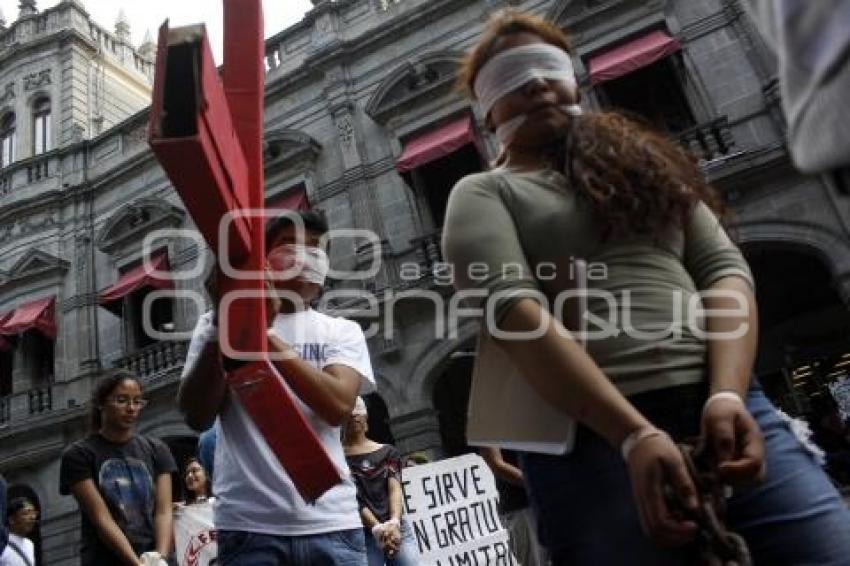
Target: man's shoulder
338, 323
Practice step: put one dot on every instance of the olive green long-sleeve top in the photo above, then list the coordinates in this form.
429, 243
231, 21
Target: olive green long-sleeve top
510, 232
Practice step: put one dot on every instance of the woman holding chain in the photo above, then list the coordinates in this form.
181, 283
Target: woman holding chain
600, 187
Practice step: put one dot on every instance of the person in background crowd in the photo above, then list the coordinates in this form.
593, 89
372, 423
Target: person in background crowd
21, 520
376, 469
198, 486
416, 459
513, 507
260, 517
812, 41
600, 187
120, 479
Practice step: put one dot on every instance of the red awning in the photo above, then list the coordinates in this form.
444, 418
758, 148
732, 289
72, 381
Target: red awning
631, 56
137, 278
37, 315
293, 198
435, 144
4, 344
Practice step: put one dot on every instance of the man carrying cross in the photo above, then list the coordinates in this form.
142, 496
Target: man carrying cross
276, 376
260, 516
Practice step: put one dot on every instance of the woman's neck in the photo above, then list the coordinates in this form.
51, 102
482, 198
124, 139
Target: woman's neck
354, 439
527, 159
116, 435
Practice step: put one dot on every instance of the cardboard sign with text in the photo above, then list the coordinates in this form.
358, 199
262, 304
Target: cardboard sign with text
194, 534
452, 508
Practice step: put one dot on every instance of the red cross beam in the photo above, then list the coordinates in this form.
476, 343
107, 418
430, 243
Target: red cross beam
207, 135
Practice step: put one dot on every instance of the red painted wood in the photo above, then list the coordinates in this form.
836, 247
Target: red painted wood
211, 148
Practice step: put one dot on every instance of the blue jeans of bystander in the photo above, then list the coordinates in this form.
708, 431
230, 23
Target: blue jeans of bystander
407, 554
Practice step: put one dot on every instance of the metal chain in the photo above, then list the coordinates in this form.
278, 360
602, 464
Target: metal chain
717, 545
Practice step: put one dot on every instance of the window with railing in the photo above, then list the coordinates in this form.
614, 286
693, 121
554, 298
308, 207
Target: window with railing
433, 160
39, 353
161, 315
644, 75
41, 124
654, 93
126, 299
7, 139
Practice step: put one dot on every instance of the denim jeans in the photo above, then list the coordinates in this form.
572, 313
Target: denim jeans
407, 554
339, 548
587, 515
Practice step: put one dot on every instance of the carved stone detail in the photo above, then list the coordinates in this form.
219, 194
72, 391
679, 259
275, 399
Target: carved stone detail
8, 93
36, 80
346, 130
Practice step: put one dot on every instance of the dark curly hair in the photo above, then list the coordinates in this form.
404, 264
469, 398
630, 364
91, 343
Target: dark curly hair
637, 181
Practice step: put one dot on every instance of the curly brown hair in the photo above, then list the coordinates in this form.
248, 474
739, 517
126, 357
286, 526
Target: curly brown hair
636, 179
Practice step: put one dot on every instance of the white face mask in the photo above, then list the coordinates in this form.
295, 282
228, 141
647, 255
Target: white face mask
511, 69
307, 263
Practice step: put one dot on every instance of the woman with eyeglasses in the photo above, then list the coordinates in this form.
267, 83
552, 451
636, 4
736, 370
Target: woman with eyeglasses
198, 485
120, 479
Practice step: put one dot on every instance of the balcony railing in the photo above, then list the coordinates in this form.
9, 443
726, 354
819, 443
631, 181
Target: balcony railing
24, 176
40, 400
710, 140
25, 404
38, 169
428, 251
155, 362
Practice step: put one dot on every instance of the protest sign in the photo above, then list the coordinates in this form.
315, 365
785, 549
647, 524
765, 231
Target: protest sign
452, 508
194, 534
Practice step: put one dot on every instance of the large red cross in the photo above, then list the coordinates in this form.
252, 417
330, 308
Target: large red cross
207, 134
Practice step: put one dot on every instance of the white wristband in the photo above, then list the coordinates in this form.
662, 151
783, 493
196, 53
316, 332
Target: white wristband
725, 394
635, 438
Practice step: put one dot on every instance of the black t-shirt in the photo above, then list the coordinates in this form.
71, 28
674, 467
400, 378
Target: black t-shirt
372, 473
511, 497
125, 475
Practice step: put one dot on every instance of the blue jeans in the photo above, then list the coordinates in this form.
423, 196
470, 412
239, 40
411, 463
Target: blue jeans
339, 548
406, 556
586, 513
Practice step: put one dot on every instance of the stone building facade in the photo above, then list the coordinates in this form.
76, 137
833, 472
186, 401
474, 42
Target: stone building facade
357, 95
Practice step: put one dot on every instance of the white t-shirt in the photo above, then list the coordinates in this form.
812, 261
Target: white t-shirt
253, 491
12, 558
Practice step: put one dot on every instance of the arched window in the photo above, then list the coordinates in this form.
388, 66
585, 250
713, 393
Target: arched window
41, 126
7, 139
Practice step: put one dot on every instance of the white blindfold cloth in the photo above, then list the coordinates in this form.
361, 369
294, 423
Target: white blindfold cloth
511, 69
307, 263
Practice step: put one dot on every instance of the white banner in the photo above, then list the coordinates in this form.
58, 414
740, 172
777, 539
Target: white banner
452, 508
194, 534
